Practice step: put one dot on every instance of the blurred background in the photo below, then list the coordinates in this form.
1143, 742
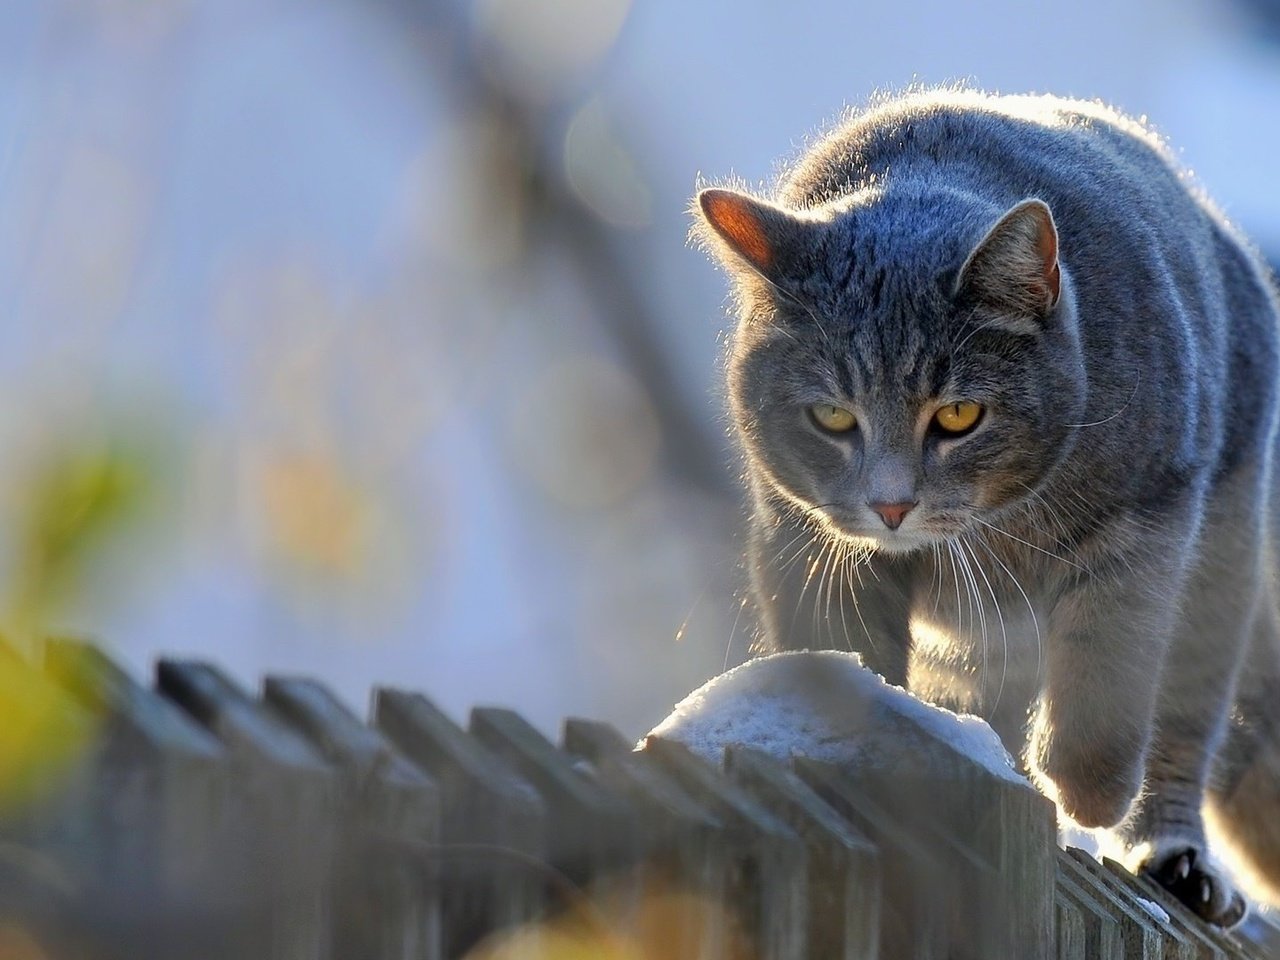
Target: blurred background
360, 338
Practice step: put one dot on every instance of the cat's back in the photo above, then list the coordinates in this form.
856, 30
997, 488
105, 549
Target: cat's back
995, 146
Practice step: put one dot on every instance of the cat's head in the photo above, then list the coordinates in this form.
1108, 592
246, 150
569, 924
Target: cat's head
906, 365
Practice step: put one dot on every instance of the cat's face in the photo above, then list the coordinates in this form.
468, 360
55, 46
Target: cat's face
899, 404
853, 420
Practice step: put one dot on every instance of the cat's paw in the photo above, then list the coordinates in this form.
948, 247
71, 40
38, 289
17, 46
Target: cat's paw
1187, 871
1092, 789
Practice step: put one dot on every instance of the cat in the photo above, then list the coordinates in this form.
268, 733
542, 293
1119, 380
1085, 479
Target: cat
1005, 383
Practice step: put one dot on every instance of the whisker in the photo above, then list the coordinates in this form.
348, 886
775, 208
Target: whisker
788, 295
728, 647
955, 579
973, 333
937, 575
1004, 636
813, 563
845, 550
813, 570
824, 621
806, 546
1035, 622
1047, 553
975, 599
854, 568
1054, 512
1137, 382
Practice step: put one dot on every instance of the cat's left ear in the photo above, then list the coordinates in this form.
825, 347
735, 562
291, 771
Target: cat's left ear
1014, 268
742, 230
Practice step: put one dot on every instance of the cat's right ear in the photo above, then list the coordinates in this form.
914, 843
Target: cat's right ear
749, 232
1014, 268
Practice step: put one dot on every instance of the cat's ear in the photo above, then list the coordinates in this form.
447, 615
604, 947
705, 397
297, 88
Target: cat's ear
1014, 268
743, 230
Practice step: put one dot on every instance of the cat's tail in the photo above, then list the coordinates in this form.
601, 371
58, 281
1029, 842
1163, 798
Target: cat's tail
1243, 808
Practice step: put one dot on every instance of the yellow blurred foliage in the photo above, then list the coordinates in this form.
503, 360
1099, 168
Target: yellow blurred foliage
17, 944
316, 517
80, 497
661, 926
552, 942
42, 733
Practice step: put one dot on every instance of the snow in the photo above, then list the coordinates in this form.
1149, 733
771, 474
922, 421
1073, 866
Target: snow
1154, 909
1082, 838
825, 706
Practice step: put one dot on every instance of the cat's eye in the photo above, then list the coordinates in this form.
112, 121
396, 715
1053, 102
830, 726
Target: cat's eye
831, 418
957, 418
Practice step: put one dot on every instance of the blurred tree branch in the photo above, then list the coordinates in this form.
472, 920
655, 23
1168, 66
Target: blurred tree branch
694, 452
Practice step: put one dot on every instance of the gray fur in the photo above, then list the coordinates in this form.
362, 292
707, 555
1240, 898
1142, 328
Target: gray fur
1098, 548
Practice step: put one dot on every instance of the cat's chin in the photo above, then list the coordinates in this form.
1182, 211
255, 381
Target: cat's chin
895, 542
898, 543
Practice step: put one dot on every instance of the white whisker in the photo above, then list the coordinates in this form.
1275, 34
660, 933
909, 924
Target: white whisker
859, 558
1004, 636
1035, 622
1025, 543
728, 647
975, 599
1137, 382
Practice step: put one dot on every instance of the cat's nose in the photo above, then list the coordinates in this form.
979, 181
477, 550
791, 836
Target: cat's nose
892, 513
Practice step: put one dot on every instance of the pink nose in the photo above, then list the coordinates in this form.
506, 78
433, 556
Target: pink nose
892, 513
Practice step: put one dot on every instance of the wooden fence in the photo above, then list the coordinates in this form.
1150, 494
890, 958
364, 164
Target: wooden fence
196, 820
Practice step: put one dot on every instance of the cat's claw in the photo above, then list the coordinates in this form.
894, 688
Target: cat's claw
1200, 884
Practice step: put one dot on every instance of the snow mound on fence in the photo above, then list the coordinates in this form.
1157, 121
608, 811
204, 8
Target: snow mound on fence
824, 705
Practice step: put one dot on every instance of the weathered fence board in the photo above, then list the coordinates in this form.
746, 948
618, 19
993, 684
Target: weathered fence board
387, 905
914, 917
1101, 929
843, 882
586, 824
493, 831
1140, 936
766, 861
1071, 939
284, 797
680, 839
161, 831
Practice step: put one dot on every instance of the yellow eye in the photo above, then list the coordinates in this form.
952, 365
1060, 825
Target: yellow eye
833, 419
958, 417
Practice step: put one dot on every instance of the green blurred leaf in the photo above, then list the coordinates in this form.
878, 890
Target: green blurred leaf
85, 495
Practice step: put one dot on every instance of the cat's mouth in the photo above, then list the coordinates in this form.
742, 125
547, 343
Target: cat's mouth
914, 534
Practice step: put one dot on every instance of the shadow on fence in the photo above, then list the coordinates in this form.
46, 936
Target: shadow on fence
199, 821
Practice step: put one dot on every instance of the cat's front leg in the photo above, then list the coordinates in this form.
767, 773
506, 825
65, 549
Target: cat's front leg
1108, 634
1165, 833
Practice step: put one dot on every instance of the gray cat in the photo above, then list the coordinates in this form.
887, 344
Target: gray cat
1006, 384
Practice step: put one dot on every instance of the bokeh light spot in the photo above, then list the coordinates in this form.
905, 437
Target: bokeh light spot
662, 925
539, 47
17, 944
601, 172
316, 516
